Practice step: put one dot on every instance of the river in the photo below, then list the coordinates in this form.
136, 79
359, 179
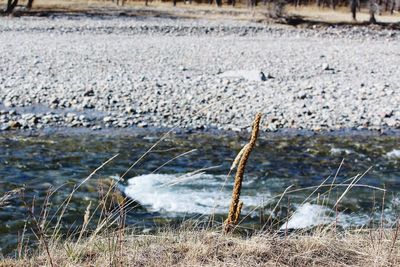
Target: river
185, 176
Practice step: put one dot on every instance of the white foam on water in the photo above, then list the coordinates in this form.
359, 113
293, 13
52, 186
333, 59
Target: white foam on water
201, 194
394, 154
340, 151
177, 193
308, 215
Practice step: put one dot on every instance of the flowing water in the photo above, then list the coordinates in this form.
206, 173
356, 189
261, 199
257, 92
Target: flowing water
185, 176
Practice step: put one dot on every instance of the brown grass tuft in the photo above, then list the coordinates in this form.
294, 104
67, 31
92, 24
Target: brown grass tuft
235, 207
208, 248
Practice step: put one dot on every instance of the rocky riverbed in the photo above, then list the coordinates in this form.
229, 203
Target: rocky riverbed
105, 72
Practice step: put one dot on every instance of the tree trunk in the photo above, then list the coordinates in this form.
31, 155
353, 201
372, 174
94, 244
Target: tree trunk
251, 3
392, 7
372, 11
372, 18
29, 4
11, 4
174, 2
333, 3
120, 2
353, 7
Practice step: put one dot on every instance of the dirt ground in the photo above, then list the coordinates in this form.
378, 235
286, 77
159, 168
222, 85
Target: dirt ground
241, 12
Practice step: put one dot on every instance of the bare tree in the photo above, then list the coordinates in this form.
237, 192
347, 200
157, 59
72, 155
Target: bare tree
392, 6
29, 4
251, 3
333, 4
373, 8
11, 4
119, 2
353, 8
278, 8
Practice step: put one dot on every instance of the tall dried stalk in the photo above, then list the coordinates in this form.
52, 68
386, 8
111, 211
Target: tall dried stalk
236, 204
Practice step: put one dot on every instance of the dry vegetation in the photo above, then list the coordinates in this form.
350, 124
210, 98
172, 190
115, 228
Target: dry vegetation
236, 205
212, 248
111, 244
307, 10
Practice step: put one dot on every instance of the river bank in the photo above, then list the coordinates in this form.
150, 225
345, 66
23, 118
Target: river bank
76, 91
211, 248
116, 72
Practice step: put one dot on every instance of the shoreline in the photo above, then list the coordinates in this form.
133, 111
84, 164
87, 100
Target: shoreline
138, 131
74, 90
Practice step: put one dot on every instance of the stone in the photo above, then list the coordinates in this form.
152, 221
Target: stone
325, 66
251, 75
14, 124
108, 119
89, 93
142, 125
130, 110
4, 127
96, 128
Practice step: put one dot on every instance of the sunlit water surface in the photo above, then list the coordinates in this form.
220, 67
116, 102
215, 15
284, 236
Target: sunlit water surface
168, 186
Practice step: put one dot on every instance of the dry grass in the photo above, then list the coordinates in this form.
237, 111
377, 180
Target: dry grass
309, 13
211, 248
138, 8
340, 15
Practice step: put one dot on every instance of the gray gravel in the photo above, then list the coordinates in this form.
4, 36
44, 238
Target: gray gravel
122, 72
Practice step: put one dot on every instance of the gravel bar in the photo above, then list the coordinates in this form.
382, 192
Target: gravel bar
104, 72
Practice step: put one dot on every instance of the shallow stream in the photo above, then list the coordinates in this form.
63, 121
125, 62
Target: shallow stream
170, 186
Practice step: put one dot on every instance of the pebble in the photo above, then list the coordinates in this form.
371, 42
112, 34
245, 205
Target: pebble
123, 72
